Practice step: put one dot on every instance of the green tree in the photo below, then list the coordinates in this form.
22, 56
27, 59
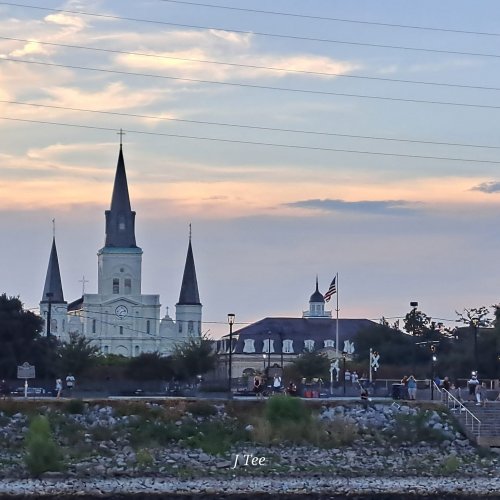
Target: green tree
77, 355
417, 323
19, 330
474, 318
194, 357
394, 346
150, 366
309, 365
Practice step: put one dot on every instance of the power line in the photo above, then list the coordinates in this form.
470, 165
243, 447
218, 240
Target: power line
335, 19
256, 143
259, 87
248, 66
252, 127
243, 32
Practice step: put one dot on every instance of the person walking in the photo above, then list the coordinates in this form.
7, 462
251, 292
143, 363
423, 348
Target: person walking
473, 383
411, 385
58, 388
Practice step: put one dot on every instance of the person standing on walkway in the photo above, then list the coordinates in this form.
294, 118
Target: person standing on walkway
472, 383
70, 382
276, 384
412, 388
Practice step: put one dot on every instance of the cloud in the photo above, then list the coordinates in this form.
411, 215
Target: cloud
393, 207
63, 19
487, 187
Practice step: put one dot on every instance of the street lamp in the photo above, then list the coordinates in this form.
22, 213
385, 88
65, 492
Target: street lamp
281, 350
49, 312
434, 359
344, 354
475, 324
230, 320
264, 357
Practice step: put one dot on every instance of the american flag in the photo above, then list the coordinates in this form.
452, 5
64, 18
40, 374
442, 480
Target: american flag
331, 290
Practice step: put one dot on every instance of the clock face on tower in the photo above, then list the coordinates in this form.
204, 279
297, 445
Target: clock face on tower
121, 311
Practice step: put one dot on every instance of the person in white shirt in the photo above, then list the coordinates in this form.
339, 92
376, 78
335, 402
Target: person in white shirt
277, 383
70, 382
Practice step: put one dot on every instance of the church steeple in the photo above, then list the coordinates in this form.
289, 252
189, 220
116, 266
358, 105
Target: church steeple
53, 284
189, 289
120, 219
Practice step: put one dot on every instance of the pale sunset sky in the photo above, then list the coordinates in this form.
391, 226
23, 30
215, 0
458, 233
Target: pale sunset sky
299, 138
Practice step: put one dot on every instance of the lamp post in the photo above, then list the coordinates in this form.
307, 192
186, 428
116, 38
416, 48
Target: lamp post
475, 324
281, 351
264, 357
49, 312
434, 359
344, 354
230, 320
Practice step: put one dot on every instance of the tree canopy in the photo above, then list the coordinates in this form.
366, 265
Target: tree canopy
19, 332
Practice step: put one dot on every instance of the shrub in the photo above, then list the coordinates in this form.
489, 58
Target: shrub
144, 459
333, 433
75, 406
283, 409
450, 465
202, 409
42, 452
414, 428
216, 438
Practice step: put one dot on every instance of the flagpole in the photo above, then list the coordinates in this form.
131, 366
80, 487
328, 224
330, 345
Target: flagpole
337, 320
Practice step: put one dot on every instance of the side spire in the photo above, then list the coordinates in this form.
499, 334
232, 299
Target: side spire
189, 289
120, 218
53, 284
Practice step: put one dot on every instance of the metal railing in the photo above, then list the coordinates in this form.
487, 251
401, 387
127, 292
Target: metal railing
453, 404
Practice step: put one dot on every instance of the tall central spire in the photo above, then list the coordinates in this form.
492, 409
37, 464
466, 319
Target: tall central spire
189, 289
52, 291
120, 219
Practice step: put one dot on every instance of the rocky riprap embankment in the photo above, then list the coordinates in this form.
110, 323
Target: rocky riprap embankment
99, 443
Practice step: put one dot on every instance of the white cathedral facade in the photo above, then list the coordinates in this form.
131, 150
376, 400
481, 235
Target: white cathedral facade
119, 318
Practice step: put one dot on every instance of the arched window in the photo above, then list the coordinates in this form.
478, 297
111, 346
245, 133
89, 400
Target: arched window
116, 285
137, 350
148, 326
128, 286
94, 326
106, 350
121, 330
190, 327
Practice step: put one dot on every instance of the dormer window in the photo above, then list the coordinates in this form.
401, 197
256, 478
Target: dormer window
121, 223
309, 345
288, 346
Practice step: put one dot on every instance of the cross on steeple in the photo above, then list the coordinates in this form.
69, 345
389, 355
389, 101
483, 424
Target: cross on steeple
54, 228
121, 134
83, 281
190, 231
